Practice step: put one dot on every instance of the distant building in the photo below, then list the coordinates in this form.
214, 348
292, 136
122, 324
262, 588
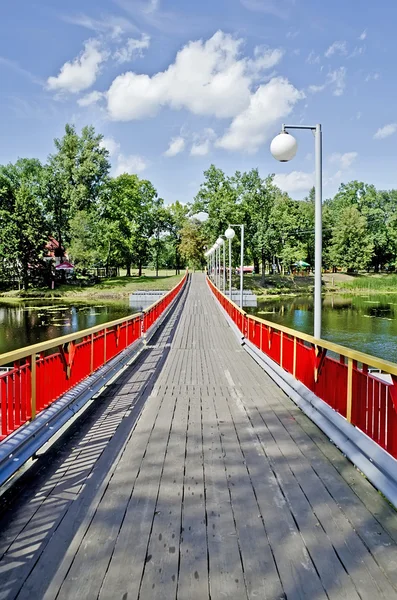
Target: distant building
54, 251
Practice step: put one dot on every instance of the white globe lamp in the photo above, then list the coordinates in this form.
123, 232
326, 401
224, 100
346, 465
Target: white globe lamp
230, 233
284, 147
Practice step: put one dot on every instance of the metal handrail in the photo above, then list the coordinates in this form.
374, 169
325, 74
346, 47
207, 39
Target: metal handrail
26, 351
361, 357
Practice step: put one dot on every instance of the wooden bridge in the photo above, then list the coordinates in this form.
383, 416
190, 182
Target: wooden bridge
195, 477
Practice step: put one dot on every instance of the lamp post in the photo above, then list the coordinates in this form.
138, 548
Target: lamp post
241, 262
217, 261
229, 234
212, 256
221, 242
283, 148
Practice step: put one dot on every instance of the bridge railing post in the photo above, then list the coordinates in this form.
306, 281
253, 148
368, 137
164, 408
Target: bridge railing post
33, 386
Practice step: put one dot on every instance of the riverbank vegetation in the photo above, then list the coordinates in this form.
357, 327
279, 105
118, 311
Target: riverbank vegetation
112, 223
111, 288
359, 223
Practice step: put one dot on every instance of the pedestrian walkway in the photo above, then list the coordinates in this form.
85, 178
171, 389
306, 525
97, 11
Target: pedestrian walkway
219, 487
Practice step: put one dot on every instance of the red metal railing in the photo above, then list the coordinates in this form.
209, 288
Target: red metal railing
41, 373
343, 379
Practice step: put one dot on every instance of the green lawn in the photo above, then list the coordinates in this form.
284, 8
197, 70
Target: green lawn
332, 282
276, 284
370, 283
114, 287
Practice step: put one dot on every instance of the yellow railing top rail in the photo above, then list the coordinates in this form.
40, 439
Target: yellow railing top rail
166, 294
361, 357
14, 355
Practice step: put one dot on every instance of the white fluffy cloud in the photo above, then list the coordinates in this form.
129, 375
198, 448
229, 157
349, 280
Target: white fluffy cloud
207, 78
336, 79
265, 58
336, 48
363, 36
252, 127
129, 164
81, 73
372, 77
278, 8
177, 145
111, 145
313, 58
296, 181
386, 131
91, 98
111, 25
344, 161
133, 49
202, 143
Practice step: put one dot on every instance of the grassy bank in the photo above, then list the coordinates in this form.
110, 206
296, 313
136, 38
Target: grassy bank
107, 289
370, 283
274, 285
281, 285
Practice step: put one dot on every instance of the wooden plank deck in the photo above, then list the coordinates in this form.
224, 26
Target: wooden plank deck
219, 488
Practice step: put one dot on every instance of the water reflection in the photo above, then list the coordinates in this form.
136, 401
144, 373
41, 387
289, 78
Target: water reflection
30, 322
365, 323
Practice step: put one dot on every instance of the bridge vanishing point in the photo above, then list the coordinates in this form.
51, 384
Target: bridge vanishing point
194, 476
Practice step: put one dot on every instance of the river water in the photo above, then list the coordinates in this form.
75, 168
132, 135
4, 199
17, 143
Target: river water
33, 321
365, 323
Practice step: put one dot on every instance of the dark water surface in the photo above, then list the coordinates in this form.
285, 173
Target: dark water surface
365, 323
33, 321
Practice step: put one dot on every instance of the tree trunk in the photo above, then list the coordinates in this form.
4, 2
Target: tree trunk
128, 267
140, 269
25, 277
263, 260
177, 266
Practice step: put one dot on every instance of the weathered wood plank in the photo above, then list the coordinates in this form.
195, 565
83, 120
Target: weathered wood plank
160, 576
193, 581
260, 572
225, 567
127, 562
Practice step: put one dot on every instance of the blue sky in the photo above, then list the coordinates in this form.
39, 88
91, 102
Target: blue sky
175, 85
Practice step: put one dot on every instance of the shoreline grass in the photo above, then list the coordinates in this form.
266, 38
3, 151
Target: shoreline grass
114, 288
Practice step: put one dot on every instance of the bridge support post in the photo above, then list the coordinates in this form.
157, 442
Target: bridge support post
33, 388
349, 389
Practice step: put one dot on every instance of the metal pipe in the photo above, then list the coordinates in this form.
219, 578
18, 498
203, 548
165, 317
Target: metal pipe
224, 269
318, 234
318, 218
230, 269
242, 267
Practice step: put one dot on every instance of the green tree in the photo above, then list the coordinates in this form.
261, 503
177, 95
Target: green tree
131, 204
257, 197
217, 197
23, 226
177, 219
74, 178
352, 245
192, 243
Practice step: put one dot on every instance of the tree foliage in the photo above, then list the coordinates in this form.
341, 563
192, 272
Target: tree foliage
121, 222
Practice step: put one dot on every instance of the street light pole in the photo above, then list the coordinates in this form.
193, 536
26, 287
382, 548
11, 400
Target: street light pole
221, 242
230, 268
318, 235
283, 148
241, 262
224, 269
